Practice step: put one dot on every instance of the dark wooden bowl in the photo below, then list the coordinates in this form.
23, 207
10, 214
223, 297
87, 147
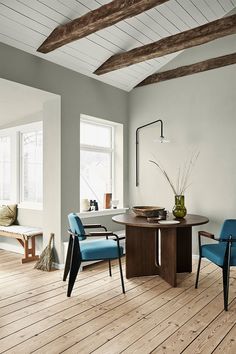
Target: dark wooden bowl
147, 211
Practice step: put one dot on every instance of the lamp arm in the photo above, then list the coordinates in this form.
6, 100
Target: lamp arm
137, 142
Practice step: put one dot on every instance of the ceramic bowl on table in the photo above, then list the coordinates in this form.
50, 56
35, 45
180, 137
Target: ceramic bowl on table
148, 211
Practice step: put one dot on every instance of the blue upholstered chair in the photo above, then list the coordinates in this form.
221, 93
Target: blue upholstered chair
79, 251
222, 253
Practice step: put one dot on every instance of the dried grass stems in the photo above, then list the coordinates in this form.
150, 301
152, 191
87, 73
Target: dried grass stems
46, 259
184, 174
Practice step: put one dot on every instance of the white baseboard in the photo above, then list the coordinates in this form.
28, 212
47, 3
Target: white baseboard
59, 266
195, 256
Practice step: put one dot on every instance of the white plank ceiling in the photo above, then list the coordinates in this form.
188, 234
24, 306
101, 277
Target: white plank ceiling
25, 24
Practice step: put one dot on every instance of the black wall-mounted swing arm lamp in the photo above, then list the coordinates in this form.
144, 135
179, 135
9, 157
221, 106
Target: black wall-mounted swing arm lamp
161, 139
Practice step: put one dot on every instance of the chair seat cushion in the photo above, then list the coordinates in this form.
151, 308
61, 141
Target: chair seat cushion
99, 249
216, 253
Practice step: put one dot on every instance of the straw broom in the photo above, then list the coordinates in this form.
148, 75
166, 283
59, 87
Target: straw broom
46, 257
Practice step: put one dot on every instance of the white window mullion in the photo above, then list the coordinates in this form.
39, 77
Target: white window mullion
31, 166
16, 167
5, 166
95, 148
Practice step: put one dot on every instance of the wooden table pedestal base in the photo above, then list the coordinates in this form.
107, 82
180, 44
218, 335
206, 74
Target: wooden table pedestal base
151, 253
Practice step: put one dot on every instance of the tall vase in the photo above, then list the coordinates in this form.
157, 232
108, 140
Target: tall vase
179, 210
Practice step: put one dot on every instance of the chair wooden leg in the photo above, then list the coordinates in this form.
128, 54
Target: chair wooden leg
109, 262
121, 276
198, 271
68, 258
74, 266
225, 271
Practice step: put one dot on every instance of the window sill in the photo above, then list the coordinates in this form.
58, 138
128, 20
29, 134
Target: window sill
30, 206
103, 212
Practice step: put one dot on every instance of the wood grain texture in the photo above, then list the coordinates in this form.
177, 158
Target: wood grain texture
184, 249
186, 70
36, 315
187, 39
141, 248
168, 256
105, 16
29, 252
131, 220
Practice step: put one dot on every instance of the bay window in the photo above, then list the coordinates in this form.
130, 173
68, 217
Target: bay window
21, 165
5, 167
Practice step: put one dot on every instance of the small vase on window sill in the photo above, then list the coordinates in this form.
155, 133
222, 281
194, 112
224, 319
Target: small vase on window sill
85, 205
107, 200
114, 204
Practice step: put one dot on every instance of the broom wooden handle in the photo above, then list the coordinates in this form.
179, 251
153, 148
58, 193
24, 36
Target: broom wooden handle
50, 240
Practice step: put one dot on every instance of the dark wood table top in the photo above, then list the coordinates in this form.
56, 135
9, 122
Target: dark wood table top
131, 219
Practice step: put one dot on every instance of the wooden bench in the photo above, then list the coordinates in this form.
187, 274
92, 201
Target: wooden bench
25, 235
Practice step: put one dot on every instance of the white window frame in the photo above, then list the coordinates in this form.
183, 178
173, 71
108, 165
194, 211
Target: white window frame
16, 160
112, 151
10, 133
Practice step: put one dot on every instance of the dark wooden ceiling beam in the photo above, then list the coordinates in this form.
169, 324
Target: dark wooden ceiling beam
191, 38
199, 67
105, 16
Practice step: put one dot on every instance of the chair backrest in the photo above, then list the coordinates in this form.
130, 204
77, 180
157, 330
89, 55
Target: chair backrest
76, 226
228, 228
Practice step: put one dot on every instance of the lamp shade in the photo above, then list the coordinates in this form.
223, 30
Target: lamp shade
162, 139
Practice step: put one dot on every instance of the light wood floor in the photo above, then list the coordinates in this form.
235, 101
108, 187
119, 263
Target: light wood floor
37, 317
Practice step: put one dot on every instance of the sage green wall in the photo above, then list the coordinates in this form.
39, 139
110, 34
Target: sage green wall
79, 94
199, 114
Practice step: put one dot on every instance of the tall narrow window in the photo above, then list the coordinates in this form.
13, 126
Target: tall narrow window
32, 167
5, 168
96, 160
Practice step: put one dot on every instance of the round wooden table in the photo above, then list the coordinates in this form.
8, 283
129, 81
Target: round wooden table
150, 252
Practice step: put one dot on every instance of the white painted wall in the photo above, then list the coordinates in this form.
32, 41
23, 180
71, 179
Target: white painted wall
198, 112
52, 172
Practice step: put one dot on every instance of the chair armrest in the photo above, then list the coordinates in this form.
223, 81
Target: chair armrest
76, 235
229, 239
91, 226
94, 226
101, 233
120, 237
206, 234
107, 233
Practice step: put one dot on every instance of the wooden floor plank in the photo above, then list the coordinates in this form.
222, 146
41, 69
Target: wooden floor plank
203, 331
173, 310
215, 331
63, 322
58, 290
36, 316
228, 344
110, 318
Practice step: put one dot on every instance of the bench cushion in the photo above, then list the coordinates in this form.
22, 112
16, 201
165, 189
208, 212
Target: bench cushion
26, 231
